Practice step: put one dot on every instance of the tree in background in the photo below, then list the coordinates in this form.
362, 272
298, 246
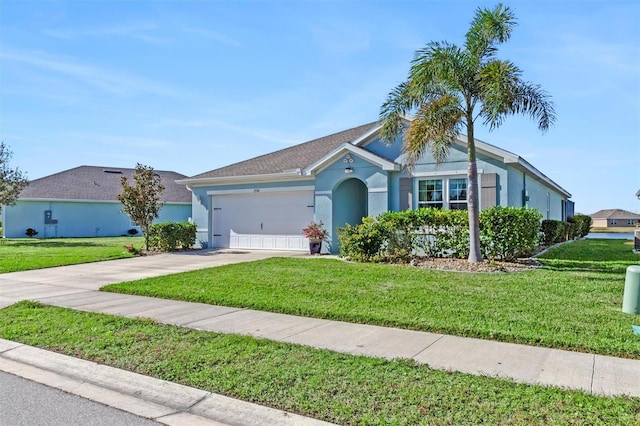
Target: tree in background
450, 87
12, 181
141, 202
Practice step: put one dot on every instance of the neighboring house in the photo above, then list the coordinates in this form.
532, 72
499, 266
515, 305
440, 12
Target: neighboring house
83, 202
265, 202
612, 218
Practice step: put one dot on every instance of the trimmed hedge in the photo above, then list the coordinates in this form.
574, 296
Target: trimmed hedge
508, 232
583, 224
505, 232
172, 236
553, 231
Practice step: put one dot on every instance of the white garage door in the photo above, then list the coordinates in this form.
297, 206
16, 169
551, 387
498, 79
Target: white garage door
264, 220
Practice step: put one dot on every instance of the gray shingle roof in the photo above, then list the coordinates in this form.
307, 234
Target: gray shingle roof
99, 184
295, 157
614, 214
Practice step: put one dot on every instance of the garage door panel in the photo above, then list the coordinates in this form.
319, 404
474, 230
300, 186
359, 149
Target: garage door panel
262, 220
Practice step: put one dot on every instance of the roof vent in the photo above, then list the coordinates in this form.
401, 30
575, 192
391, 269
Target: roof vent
115, 172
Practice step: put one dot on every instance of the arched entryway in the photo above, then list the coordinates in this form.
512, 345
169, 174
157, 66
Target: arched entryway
350, 205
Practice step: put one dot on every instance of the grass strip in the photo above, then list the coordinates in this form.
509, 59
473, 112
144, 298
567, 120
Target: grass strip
574, 303
25, 254
334, 387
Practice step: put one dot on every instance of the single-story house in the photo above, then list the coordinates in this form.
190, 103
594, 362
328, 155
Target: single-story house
612, 218
83, 202
264, 202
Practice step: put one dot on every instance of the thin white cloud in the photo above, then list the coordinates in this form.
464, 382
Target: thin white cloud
129, 142
114, 82
135, 31
213, 35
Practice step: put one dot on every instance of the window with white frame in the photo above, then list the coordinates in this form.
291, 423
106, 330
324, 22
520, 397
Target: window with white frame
443, 193
458, 194
430, 193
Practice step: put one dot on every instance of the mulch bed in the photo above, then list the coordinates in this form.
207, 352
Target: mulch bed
462, 265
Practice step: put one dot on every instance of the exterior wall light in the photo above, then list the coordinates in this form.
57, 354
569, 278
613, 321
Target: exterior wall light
348, 161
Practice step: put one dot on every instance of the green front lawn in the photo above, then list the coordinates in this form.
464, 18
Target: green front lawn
574, 303
334, 387
23, 254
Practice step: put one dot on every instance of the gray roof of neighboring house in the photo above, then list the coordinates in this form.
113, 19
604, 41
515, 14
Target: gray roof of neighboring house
295, 157
99, 184
614, 214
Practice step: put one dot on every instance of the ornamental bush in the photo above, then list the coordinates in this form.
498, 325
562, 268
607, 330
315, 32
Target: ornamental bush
505, 232
172, 236
508, 233
364, 242
553, 231
583, 224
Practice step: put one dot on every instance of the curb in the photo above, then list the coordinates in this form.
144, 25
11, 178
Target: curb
159, 400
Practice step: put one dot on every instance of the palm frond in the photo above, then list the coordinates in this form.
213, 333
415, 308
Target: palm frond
434, 129
399, 102
531, 99
441, 63
488, 28
503, 93
498, 83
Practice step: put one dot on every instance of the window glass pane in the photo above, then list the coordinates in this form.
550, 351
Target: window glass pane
430, 193
458, 189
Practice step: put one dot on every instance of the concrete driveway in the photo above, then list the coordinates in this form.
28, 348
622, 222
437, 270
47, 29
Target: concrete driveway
66, 280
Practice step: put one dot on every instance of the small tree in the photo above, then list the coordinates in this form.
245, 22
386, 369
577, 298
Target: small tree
141, 202
12, 181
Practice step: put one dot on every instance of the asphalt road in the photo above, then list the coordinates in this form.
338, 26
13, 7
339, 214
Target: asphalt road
27, 403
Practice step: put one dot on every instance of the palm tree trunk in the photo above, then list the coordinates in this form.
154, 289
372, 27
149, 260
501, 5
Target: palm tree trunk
475, 255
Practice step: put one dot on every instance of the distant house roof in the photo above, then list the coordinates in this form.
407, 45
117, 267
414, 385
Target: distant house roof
98, 184
614, 214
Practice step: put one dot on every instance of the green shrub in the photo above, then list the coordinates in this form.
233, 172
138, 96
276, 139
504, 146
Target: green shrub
553, 231
364, 242
450, 229
396, 236
571, 229
172, 236
401, 236
508, 233
583, 224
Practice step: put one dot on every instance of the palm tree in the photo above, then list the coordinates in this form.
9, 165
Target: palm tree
450, 87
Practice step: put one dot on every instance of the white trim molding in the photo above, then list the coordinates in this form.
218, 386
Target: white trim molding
331, 157
378, 190
261, 190
444, 173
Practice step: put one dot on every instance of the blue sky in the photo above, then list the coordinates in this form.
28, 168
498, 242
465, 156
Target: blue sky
193, 86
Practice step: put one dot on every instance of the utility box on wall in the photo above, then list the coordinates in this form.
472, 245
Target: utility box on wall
48, 218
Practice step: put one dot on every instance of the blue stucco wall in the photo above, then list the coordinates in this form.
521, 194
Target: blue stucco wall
391, 152
456, 163
327, 180
551, 205
78, 219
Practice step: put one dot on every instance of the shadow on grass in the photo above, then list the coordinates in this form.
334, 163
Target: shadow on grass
53, 243
612, 267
